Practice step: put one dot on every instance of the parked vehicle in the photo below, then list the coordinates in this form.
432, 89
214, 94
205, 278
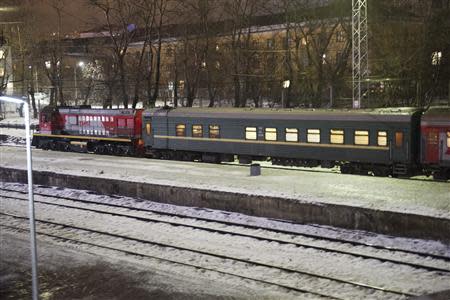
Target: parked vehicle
382, 142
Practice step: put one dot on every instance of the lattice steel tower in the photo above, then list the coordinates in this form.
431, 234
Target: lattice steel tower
360, 49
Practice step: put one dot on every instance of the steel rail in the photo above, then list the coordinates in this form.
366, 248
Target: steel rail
259, 238
226, 257
283, 231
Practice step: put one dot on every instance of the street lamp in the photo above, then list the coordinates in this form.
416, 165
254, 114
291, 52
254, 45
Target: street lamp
30, 193
286, 84
81, 65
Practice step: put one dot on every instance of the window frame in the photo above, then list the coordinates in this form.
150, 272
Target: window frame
270, 131
177, 130
379, 132
287, 133
247, 131
310, 134
199, 134
357, 133
337, 133
211, 130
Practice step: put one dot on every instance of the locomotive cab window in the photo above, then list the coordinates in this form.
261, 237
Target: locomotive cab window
121, 123
336, 136
130, 123
399, 139
362, 137
313, 136
382, 138
180, 130
291, 135
197, 131
250, 133
214, 131
270, 134
148, 128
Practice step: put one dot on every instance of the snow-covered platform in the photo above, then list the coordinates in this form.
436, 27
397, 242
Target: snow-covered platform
409, 207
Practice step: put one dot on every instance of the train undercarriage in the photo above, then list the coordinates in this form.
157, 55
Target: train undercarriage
128, 149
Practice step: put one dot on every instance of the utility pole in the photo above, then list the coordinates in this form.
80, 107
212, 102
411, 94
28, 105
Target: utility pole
360, 49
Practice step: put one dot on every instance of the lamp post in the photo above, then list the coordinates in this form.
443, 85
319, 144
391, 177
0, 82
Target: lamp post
81, 65
30, 194
286, 84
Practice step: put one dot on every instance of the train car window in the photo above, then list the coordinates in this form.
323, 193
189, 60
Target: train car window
121, 123
336, 136
399, 139
130, 123
448, 139
180, 130
197, 131
73, 120
313, 136
291, 135
270, 134
214, 131
250, 133
148, 128
382, 138
362, 137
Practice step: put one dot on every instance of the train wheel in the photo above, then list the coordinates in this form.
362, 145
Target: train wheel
346, 169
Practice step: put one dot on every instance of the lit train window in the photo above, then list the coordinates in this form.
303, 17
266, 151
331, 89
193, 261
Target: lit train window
382, 138
148, 128
313, 136
180, 130
399, 139
361, 137
270, 134
448, 139
336, 136
197, 131
250, 133
291, 135
214, 131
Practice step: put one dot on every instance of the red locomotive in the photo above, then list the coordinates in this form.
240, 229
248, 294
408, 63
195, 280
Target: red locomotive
101, 131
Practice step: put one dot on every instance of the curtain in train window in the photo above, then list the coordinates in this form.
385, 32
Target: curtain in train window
180, 130
361, 137
291, 135
336, 136
197, 131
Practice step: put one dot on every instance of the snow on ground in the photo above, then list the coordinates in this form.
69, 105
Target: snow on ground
65, 272
332, 264
416, 196
425, 246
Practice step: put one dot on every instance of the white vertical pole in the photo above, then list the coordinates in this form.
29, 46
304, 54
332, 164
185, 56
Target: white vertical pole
31, 206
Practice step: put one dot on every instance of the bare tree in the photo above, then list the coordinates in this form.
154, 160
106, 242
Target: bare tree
119, 17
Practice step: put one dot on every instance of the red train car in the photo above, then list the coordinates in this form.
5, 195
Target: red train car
102, 131
435, 143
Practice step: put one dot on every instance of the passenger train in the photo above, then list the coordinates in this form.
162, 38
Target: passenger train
381, 142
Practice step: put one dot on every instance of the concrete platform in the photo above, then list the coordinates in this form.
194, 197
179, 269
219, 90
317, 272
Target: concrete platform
411, 208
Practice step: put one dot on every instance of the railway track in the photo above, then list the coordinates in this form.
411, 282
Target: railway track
419, 254
76, 229
102, 208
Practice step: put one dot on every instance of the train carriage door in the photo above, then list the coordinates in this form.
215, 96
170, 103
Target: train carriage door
148, 131
432, 146
398, 146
